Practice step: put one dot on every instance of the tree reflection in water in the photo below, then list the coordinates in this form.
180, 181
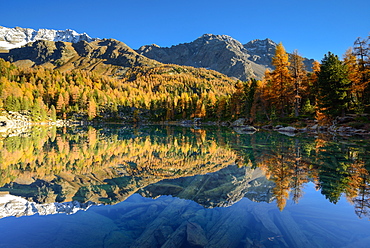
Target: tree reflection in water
108, 164
336, 167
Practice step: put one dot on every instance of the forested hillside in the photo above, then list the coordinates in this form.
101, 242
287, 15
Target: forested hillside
165, 92
161, 92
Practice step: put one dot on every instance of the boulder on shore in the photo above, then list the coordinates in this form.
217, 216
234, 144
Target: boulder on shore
238, 123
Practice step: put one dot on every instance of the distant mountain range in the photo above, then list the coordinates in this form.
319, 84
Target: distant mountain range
221, 53
16, 37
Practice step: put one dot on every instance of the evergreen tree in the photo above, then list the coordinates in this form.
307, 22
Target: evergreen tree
237, 100
312, 82
250, 91
333, 86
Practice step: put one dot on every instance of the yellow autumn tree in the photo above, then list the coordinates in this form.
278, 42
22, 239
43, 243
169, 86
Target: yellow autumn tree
281, 81
361, 49
92, 109
355, 76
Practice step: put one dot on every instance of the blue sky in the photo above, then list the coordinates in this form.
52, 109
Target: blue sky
313, 27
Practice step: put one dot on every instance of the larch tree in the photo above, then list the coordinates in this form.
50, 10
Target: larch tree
354, 75
92, 108
361, 50
281, 80
60, 107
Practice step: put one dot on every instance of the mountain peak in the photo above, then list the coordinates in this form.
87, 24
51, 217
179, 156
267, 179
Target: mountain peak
206, 38
216, 36
265, 45
16, 37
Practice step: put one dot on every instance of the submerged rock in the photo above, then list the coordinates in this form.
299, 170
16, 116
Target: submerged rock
196, 235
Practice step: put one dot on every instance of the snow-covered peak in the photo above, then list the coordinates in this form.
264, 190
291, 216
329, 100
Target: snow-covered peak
11, 205
16, 37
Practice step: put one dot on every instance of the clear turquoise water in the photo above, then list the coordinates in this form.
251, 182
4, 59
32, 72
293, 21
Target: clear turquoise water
229, 206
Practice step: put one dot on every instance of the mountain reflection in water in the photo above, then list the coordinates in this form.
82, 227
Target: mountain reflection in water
104, 165
52, 171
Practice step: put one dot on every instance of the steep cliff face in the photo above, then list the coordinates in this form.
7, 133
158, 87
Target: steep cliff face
16, 37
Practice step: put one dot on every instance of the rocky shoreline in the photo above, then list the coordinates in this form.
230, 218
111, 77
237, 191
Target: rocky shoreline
335, 129
241, 126
15, 123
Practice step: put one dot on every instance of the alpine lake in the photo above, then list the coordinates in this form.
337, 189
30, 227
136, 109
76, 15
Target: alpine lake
182, 186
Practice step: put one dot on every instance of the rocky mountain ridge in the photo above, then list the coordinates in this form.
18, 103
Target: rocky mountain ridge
221, 53
16, 37
217, 52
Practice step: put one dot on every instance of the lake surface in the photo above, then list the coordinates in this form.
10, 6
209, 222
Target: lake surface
171, 186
